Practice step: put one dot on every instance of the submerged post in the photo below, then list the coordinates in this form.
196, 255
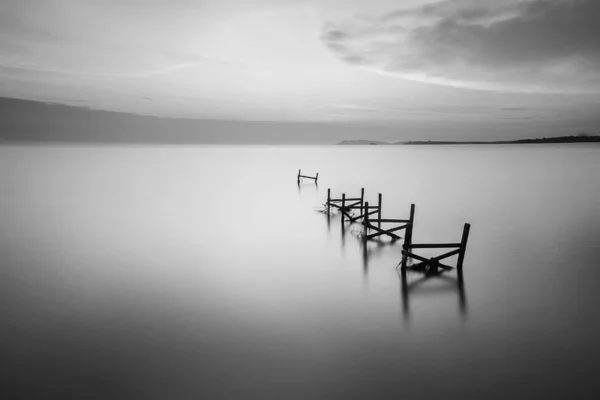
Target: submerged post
366, 221
362, 198
379, 211
317, 177
408, 237
299, 172
343, 206
328, 201
409, 230
463, 246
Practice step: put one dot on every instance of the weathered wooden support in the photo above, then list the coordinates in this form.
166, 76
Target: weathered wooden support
362, 196
434, 262
358, 207
315, 178
379, 210
328, 201
384, 220
408, 236
437, 259
366, 222
427, 261
434, 245
387, 232
343, 206
463, 245
409, 229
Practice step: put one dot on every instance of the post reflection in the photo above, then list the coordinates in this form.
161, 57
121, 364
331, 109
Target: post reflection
371, 251
455, 284
311, 184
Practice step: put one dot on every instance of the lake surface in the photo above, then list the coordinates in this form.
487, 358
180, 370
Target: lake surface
207, 272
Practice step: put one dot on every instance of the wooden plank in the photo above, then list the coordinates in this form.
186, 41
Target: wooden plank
385, 232
353, 204
374, 235
348, 199
391, 220
448, 254
430, 261
434, 245
443, 256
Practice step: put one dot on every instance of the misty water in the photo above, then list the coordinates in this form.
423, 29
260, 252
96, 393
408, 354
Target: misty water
207, 272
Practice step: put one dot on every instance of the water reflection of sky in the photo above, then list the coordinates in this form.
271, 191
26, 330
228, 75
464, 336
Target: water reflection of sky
164, 272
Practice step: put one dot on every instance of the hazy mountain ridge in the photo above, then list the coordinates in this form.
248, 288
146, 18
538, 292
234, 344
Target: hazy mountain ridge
30, 121
582, 138
362, 142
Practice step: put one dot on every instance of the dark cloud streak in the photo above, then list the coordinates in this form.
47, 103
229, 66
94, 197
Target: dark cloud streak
534, 45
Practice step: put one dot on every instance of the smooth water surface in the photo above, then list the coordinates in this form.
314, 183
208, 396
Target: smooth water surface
207, 272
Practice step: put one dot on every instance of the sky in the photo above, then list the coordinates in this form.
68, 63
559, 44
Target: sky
500, 69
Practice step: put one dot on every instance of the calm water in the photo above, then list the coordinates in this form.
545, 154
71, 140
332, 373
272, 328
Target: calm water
205, 272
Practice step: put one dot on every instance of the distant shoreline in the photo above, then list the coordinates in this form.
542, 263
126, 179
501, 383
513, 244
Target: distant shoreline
556, 140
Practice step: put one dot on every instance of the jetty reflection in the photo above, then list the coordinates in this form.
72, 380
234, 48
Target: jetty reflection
419, 286
311, 184
370, 251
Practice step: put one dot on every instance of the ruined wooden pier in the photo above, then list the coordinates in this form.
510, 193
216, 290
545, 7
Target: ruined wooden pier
315, 178
372, 229
433, 264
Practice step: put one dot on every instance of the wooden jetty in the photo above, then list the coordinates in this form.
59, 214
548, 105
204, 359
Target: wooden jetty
315, 178
433, 264
347, 204
368, 223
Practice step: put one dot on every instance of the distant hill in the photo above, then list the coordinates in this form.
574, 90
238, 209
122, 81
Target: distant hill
362, 142
27, 121
559, 139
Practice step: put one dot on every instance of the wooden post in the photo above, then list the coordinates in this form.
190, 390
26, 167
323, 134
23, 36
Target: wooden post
328, 201
362, 198
409, 229
366, 222
299, 172
343, 206
317, 177
463, 246
379, 211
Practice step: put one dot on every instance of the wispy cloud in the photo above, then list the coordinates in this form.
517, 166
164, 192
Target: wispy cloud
527, 45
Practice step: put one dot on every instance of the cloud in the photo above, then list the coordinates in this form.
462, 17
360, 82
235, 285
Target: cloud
510, 45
